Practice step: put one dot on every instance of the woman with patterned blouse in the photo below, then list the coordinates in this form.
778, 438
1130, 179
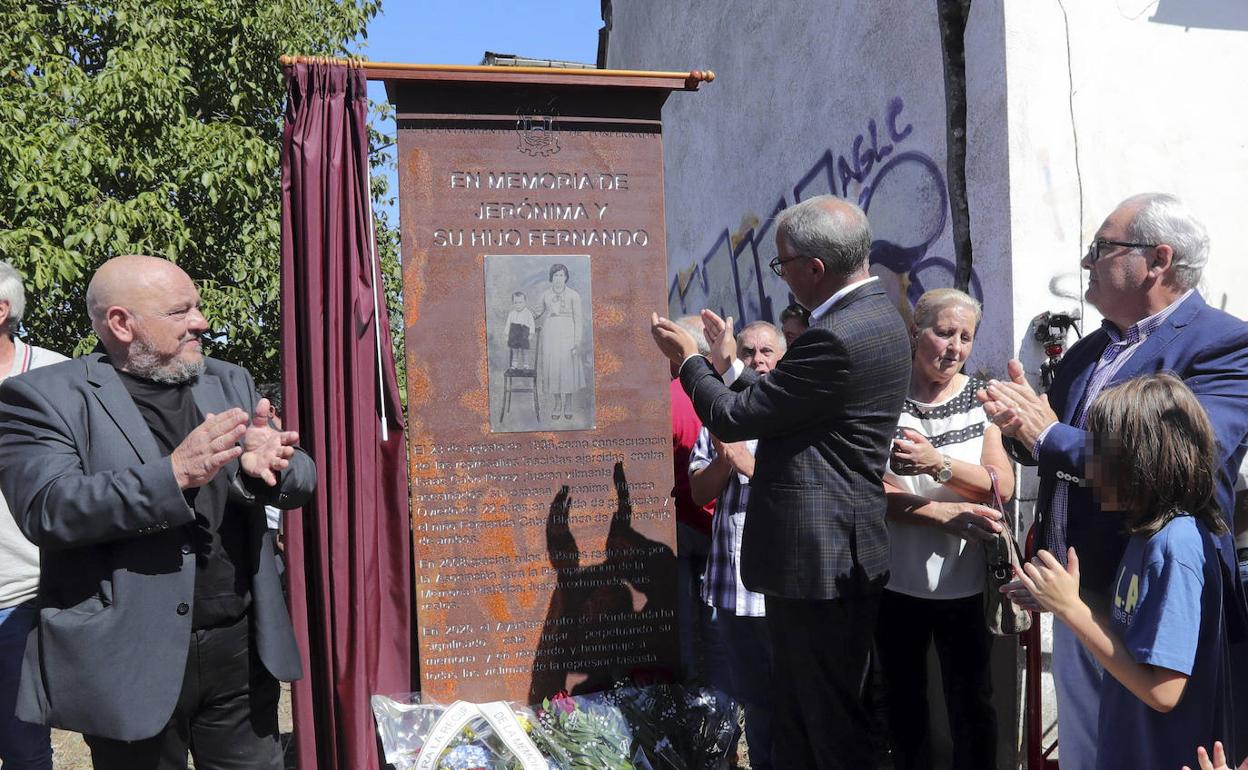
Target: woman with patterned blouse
937, 479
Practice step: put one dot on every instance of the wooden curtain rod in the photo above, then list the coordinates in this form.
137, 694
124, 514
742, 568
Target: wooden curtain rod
375, 68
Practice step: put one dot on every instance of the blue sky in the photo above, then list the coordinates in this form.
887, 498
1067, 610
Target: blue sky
461, 31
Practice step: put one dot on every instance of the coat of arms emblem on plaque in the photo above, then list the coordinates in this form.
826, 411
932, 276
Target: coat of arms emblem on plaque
537, 135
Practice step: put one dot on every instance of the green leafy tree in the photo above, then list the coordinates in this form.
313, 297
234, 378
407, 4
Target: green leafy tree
154, 126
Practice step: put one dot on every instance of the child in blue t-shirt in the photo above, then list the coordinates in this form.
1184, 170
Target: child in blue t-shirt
1164, 647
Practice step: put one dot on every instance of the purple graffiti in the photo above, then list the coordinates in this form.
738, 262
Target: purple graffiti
903, 193
910, 204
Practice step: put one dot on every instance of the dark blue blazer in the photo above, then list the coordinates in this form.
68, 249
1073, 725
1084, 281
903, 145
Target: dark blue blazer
824, 418
1205, 347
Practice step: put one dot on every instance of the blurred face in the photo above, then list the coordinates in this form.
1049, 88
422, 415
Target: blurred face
758, 350
1102, 473
517, 302
942, 348
167, 326
559, 280
792, 328
1116, 279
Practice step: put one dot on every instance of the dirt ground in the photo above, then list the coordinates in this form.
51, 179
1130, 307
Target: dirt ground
69, 752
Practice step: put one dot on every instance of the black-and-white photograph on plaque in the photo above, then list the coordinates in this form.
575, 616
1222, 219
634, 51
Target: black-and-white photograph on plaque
538, 311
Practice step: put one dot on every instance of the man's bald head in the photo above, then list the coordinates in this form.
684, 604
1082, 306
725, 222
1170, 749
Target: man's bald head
145, 311
126, 281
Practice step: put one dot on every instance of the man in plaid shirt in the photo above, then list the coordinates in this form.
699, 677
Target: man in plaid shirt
723, 471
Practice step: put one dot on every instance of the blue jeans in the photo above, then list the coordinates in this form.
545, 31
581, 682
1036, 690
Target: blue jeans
23, 746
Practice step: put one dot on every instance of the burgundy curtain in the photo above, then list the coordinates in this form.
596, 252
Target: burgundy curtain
348, 560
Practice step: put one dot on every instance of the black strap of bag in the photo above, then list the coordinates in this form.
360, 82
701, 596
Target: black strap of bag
1002, 557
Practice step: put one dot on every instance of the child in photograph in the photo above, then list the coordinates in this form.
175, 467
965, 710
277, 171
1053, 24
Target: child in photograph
520, 325
1164, 648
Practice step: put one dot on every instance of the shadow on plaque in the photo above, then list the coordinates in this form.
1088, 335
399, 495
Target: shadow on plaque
538, 311
606, 621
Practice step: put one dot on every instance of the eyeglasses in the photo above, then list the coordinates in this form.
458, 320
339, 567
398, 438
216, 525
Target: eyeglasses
777, 264
1098, 245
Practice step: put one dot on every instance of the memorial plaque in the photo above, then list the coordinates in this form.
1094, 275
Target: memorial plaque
539, 416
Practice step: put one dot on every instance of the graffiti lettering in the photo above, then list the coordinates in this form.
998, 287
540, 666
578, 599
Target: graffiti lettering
903, 193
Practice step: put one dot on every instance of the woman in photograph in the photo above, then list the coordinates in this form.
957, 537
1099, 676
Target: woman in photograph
559, 363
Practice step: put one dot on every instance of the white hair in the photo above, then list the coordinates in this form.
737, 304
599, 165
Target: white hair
693, 325
1164, 218
12, 290
776, 335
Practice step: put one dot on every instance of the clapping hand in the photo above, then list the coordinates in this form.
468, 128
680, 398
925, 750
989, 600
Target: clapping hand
673, 341
1017, 593
1219, 759
208, 448
915, 455
266, 451
1015, 408
736, 454
1054, 587
720, 337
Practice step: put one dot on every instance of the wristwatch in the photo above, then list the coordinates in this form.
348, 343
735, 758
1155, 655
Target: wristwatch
946, 470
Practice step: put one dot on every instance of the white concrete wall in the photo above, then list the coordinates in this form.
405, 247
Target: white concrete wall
801, 88
1152, 97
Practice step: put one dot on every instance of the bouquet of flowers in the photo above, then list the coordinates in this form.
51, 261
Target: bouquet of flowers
662, 727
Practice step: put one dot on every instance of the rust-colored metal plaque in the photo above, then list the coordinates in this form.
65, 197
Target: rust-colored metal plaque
533, 244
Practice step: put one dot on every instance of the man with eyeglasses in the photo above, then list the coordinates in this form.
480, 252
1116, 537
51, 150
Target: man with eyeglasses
1143, 269
814, 540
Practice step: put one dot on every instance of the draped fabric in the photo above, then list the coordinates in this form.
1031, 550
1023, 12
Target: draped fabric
349, 563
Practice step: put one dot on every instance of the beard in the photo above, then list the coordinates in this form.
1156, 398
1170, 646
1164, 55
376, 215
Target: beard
143, 361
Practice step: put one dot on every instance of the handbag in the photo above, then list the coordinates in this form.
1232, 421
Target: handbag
1002, 556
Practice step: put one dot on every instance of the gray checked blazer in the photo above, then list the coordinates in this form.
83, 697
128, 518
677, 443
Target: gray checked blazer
824, 418
86, 482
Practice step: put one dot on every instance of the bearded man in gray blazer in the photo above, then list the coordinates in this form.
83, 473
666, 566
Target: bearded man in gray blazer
814, 542
142, 471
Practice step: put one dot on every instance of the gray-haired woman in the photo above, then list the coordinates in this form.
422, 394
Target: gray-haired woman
937, 480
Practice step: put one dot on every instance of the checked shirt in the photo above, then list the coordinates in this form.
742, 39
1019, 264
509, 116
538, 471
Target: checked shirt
1116, 354
722, 586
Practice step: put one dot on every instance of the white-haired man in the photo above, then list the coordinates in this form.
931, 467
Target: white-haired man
23, 745
1144, 265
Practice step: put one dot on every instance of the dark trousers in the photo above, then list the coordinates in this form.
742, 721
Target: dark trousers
226, 714
23, 746
748, 648
822, 654
908, 625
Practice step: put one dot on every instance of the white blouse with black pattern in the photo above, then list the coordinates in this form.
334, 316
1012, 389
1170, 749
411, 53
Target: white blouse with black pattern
926, 562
